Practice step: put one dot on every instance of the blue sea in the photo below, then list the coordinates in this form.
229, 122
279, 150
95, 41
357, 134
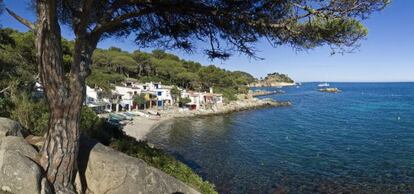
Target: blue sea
357, 141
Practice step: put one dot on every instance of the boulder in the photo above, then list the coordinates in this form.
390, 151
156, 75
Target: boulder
18, 171
104, 170
9, 127
36, 141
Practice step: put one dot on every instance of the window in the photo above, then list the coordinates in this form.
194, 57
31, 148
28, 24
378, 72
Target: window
159, 93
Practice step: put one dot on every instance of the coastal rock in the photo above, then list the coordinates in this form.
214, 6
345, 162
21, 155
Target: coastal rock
36, 141
104, 170
330, 90
9, 127
271, 84
257, 93
18, 171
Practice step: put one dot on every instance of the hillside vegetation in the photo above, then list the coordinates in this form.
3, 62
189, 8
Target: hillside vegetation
278, 77
113, 65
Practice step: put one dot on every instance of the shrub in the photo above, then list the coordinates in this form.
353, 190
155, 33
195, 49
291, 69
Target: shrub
229, 94
32, 114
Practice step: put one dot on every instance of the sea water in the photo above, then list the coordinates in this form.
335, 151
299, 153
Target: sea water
358, 141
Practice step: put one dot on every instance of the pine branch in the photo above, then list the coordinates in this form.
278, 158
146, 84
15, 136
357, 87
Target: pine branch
24, 21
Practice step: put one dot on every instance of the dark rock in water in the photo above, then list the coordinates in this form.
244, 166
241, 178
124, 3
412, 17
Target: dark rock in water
330, 90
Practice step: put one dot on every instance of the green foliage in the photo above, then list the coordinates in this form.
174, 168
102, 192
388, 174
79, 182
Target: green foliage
17, 59
183, 101
113, 65
104, 80
89, 119
278, 77
32, 114
5, 107
229, 94
175, 93
18, 71
140, 99
225, 26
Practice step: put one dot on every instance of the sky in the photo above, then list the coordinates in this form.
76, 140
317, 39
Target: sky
385, 55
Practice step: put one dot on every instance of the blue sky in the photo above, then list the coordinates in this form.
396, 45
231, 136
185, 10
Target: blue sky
386, 55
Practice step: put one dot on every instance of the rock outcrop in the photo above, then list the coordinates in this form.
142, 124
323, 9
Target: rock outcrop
18, 171
274, 80
101, 169
104, 170
330, 90
9, 127
244, 102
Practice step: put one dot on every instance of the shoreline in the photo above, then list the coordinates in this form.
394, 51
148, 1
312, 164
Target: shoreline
140, 127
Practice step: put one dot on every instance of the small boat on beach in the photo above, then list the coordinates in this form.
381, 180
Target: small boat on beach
117, 116
127, 116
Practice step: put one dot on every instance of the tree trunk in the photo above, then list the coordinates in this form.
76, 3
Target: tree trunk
59, 153
64, 92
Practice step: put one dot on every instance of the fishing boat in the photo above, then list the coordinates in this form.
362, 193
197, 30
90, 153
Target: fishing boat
323, 84
117, 116
127, 116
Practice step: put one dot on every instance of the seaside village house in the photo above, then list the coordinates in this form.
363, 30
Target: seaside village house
122, 97
157, 96
202, 100
162, 94
96, 101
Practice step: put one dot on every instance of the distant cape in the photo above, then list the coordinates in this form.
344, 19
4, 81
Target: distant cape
273, 80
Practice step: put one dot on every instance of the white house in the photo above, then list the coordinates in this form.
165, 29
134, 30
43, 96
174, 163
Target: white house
96, 101
162, 92
195, 97
164, 97
202, 99
124, 96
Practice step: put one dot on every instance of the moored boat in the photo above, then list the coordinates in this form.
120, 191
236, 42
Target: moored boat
323, 84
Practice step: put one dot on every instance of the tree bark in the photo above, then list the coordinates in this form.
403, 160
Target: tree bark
64, 92
58, 154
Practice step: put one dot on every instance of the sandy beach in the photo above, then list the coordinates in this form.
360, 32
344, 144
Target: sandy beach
140, 126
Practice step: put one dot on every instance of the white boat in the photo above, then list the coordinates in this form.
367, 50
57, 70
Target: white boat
323, 84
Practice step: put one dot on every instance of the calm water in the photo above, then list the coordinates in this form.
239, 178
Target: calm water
358, 141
